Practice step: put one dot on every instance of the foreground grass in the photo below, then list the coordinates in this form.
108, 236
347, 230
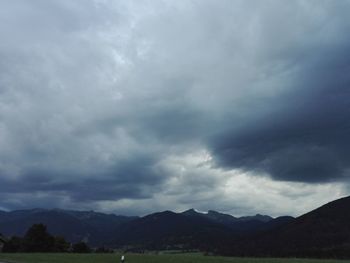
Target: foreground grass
139, 258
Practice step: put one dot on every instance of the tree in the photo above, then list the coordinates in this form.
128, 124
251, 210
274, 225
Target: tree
81, 247
13, 245
37, 239
61, 245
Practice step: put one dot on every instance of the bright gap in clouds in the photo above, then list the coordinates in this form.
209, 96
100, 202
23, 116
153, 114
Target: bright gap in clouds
195, 183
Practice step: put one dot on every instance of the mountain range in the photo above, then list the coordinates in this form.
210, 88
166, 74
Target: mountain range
158, 230
323, 232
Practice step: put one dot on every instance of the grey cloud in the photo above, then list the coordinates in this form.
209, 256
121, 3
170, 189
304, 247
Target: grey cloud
135, 178
95, 96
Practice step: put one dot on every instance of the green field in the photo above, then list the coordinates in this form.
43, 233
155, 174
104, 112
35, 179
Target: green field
138, 258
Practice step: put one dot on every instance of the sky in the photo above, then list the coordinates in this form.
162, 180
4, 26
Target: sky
137, 106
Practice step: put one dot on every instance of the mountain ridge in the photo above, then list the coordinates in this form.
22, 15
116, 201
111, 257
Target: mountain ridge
323, 232
99, 229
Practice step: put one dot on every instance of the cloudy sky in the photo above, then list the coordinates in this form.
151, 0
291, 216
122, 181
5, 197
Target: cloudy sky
133, 107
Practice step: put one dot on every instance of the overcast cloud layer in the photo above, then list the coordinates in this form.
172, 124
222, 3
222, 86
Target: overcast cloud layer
139, 106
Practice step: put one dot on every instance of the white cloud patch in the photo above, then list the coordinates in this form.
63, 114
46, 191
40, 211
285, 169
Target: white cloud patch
195, 183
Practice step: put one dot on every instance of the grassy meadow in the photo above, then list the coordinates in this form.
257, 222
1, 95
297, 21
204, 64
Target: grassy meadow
141, 258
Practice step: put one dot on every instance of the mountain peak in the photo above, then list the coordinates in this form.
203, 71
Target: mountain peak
191, 211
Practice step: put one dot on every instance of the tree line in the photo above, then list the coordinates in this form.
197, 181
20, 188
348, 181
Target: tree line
38, 239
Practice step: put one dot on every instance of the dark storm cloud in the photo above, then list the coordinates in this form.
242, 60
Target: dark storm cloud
308, 139
134, 178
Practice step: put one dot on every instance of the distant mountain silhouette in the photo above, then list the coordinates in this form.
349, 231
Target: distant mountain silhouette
221, 218
257, 217
240, 226
226, 218
213, 216
189, 229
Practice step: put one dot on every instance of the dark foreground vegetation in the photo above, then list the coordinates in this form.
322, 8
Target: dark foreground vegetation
37, 239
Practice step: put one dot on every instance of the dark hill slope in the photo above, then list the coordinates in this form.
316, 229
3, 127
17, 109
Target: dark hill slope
323, 232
